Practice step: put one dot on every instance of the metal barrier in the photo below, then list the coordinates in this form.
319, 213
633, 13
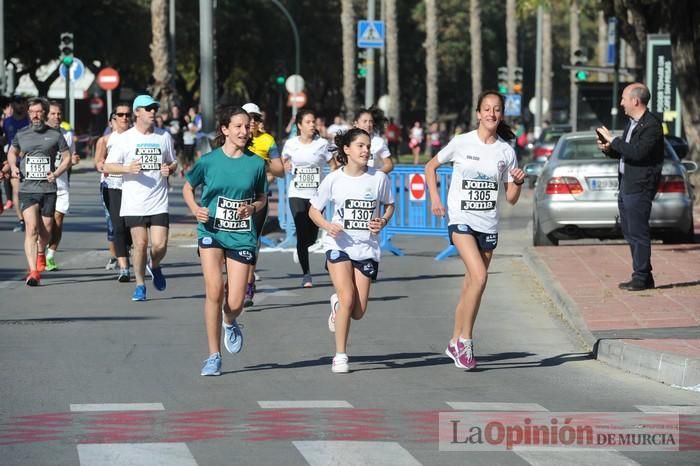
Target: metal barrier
411, 217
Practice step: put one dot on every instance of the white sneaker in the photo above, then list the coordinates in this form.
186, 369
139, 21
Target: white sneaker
295, 256
257, 277
340, 365
331, 317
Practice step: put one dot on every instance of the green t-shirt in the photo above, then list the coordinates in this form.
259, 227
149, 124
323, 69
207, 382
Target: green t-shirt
226, 184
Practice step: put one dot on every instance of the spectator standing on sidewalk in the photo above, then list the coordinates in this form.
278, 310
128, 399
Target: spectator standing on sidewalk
415, 140
483, 160
640, 151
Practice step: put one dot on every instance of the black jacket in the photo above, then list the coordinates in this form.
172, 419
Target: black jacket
643, 155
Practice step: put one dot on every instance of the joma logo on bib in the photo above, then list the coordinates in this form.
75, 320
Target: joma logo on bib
226, 217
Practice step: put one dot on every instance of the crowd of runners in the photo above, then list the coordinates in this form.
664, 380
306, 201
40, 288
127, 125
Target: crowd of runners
226, 191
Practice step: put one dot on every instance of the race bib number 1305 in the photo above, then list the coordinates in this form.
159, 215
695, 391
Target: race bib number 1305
226, 217
479, 194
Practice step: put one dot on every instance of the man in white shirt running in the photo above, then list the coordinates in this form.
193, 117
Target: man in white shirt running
145, 156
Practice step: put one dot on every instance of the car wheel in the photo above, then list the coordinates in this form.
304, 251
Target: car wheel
539, 238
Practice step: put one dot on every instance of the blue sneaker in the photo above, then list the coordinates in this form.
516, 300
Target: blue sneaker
139, 293
212, 366
233, 338
158, 277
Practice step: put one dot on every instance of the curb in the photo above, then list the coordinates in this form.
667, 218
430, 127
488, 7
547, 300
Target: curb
667, 368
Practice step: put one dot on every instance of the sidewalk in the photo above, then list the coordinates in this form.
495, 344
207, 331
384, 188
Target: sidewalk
654, 333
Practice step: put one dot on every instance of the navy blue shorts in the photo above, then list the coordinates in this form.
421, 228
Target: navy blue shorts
368, 267
243, 256
485, 241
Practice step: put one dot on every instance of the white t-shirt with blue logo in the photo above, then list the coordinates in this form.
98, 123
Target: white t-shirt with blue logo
478, 173
378, 149
308, 161
144, 193
355, 201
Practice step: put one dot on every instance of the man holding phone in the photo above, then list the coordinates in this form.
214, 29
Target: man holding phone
640, 150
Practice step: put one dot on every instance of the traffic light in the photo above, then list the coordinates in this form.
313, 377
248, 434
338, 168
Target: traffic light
518, 80
580, 59
362, 64
503, 79
279, 79
66, 48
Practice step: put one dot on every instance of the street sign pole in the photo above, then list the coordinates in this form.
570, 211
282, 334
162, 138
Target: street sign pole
71, 119
616, 72
66, 104
109, 103
369, 79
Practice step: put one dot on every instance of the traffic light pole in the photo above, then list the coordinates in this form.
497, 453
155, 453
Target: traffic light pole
616, 82
369, 79
67, 107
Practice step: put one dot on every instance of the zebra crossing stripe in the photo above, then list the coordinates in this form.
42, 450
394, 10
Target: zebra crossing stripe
287, 404
78, 408
476, 406
123, 454
551, 457
351, 453
669, 409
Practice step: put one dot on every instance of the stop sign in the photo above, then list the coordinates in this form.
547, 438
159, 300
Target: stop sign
96, 105
108, 79
417, 187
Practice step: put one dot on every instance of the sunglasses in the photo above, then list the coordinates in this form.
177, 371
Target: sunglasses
150, 108
123, 114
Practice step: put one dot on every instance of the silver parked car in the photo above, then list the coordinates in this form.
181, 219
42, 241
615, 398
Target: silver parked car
576, 195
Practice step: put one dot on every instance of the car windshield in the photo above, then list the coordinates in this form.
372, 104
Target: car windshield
550, 137
579, 149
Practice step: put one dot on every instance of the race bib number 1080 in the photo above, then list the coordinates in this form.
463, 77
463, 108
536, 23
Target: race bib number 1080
226, 217
307, 177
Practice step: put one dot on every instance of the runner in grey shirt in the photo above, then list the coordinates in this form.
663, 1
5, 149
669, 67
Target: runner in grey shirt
36, 146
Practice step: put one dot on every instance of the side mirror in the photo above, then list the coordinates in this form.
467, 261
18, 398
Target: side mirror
690, 166
534, 169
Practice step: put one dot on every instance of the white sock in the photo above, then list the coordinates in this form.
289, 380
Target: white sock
466, 342
49, 253
341, 355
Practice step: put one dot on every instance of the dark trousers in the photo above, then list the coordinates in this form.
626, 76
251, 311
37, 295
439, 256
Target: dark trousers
307, 231
635, 210
122, 235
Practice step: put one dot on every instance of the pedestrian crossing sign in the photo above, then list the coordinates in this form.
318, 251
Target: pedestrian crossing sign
513, 105
370, 34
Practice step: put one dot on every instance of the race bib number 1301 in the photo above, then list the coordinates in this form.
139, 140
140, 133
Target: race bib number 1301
226, 217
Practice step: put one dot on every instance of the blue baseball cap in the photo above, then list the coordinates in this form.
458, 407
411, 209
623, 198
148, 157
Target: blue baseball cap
144, 101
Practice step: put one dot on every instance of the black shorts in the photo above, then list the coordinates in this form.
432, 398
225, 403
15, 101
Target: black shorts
159, 220
368, 267
46, 202
485, 241
244, 256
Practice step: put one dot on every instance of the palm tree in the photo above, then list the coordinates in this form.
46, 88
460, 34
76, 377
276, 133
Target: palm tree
475, 40
574, 43
511, 42
392, 58
162, 87
431, 65
347, 21
547, 61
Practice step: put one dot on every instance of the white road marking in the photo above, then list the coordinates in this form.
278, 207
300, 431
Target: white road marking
550, 457
669, 409
304, 404
132, 454
475, 406
350, 453
117, 407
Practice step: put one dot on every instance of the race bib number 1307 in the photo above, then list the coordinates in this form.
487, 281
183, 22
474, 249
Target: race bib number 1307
226, 217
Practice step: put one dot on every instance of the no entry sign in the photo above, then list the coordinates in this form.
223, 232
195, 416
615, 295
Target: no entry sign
108, 79
417, 187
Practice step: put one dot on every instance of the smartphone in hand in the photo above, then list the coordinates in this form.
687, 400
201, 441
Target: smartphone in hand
601, 138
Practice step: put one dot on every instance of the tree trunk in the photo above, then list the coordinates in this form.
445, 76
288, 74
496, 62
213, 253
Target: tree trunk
476, 52
392, 58
685, 49
547, 62
574, 43
511, 42
347, 21
162, 88
431, 85
602, 45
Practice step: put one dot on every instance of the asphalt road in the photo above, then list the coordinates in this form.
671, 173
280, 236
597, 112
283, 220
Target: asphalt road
89, 377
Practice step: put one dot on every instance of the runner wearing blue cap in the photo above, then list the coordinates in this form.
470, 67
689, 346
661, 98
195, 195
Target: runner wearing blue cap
145, 156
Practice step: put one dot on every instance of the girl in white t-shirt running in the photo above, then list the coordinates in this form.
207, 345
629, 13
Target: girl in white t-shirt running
378, 148
482, 162
363, 203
